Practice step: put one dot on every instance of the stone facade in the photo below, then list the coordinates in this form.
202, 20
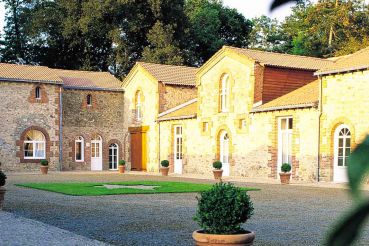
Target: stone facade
22, 112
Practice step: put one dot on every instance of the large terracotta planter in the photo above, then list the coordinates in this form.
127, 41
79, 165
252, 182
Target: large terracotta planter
2, 195
285, 178
164, 171
121, 168
203, 239
218, 173
44, 169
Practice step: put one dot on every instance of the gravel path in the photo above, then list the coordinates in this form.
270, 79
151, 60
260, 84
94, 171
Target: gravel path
284, 215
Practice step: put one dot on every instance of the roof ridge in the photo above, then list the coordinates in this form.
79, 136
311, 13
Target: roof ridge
80, 71
24, 65
167, 65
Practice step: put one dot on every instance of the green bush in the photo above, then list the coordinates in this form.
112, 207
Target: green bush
217, 165
44, 162
2, 178
222, 209
122, 163
286, 167
164, 163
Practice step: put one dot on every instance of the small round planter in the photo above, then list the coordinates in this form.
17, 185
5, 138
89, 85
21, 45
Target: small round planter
203, 239
285, 178
2, 195
218, 173
44, 169
164, 171
121, 168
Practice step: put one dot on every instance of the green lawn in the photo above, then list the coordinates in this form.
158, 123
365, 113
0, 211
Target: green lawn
98, 189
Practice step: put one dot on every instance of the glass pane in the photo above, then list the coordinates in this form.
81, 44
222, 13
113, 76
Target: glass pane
340, 161
78, 151
347, 152
346, 161
290, 123
93, 149
348, 142
340, 151
283, 124
97, 152
284, 148
28, 150
340, 142
40, 150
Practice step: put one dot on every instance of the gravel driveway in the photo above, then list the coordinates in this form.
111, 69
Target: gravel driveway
284, 215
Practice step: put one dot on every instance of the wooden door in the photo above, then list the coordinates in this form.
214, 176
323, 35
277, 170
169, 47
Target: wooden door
138, 148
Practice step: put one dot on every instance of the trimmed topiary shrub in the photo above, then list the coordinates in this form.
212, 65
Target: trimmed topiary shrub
222, 209
217, 165
44, 162
2, 178
286, 167
164, 163
122, 162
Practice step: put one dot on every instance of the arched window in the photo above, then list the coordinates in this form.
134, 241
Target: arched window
89, 100
34, 145
224, 94
38, 92
138, 105
113, 156
79, 145
342, 145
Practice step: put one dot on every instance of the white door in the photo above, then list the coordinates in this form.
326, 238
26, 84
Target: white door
178, 156
285, 126
224, 152
342, 150
113, 156
96, 154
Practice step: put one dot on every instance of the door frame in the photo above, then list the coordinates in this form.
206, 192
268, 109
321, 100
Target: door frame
336, 168
117, 156
222, 134
280, 145
143, 131
176, 161
100, 143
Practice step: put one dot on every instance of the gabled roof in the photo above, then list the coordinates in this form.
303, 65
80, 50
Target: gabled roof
356, 61
88, 80
169, 74
303, 97
187, 110
283, 60
27, 73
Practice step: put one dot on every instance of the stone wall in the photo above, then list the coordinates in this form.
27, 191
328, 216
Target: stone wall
21, 112
174, 95
105, 118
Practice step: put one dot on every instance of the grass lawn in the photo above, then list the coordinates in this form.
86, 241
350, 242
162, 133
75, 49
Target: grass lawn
140, 187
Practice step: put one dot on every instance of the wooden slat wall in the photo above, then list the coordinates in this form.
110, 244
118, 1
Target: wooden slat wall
280, 81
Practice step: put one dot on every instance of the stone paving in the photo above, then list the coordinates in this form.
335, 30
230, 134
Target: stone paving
284, 215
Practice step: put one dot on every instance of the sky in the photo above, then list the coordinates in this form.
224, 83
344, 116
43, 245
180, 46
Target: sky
249, 8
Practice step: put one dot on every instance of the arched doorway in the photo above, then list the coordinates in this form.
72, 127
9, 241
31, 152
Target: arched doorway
96, 153
224, 151
342, 151
113, 156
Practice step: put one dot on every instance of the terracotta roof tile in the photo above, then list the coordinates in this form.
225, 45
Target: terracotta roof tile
283, 60
185, 111
355, 61
306, 96
26, 73
168, 74
89, 80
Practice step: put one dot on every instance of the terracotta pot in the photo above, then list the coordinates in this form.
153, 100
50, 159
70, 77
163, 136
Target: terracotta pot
203, 239
164, 171
218, 173
121, 168
2, 195
44, 169
285, 178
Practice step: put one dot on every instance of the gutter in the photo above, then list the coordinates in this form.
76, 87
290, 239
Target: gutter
60, 129
319, 124
91, 88
31, 81
347, 70
297, 106
178, 118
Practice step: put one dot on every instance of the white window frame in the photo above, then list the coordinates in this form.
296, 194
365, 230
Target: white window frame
178, 145
138, 106
89, 100
38, 92
336, 144
34, 144
111, 147
79, 140
224, 94
289, 132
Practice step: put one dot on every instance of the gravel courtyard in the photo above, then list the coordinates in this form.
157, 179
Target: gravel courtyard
284, 215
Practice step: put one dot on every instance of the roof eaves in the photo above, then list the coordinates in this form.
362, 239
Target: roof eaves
291, 67
178, 107
92, 88
342, 70
31, 81
285, 107
178, 118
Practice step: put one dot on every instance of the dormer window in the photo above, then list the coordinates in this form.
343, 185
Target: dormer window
89, 100
38, 93
224, 94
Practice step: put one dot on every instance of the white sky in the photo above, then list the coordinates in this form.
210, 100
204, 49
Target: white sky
249, 8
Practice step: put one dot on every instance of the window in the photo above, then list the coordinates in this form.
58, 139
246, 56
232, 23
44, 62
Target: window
224, 94
34, 145
113, 156
285, 126
138, 105
343, 145
89, 100
38, 92
242, 124
205, 126
79, 149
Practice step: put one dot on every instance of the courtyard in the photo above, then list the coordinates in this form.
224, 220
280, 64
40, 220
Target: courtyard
284, 215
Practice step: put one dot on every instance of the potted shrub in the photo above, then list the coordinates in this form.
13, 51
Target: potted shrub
217, 171
164, 169
2, 189
220, 213
122, 166
44, 166
285, 175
